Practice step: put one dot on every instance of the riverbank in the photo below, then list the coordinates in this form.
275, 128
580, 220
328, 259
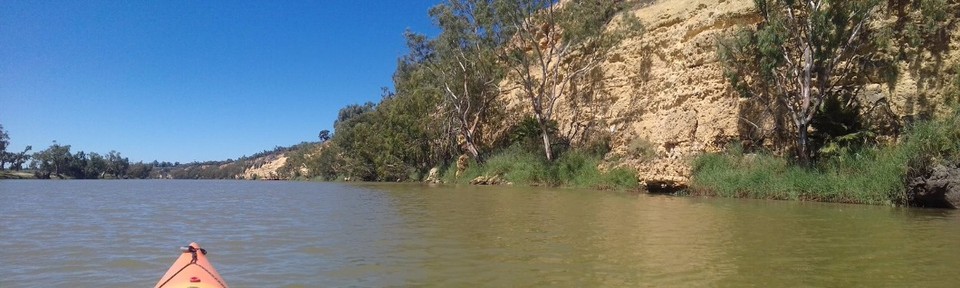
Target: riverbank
16, 175
899, 173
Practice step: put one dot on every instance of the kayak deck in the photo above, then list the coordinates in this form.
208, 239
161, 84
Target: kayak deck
192, 269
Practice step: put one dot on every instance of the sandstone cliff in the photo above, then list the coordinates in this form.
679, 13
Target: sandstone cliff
664, 99
265, 167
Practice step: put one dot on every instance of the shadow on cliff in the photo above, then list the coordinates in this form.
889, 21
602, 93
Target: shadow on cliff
923, 45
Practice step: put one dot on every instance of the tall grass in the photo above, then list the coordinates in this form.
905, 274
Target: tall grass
518, 166
571, 169
873, 175
579, 169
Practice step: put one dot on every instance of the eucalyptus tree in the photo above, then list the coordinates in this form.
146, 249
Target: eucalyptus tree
52, 161
324, 135
96, 166
77, 164
423, 94
17, 160
116, 164
141, 170
4, 142
554, 46
802, 53
464, 61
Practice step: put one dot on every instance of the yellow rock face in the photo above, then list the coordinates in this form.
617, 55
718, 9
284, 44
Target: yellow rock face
266, 167
666, 87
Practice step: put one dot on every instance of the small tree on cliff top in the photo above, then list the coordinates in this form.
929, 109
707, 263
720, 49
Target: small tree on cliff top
802, 53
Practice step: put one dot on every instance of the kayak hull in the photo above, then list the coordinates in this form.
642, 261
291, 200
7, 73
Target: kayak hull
192, 269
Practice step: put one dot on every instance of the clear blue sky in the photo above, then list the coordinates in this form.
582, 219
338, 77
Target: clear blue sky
193, 80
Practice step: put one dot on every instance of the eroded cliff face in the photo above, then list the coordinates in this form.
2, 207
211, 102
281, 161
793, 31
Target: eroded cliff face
664, 100
266, 167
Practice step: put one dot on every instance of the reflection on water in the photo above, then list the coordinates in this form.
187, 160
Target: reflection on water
289, 234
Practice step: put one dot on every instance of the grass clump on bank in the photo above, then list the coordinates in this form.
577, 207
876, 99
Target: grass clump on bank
7, 174
869, 178
871, 175
571, 169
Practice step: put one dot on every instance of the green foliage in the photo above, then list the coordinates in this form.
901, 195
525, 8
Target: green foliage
839, 126
16, 160
520, 166
465, 66
446, 91
620, 178
933, 141
872, 175
771, 177
586, 20
57, 160
389, 141
4, 142
802, 56
528, 134
139, 171
324, 135
737, 54
352, 111
205, 170
117, 165
554, 49
577, 169
96, 166
53, 161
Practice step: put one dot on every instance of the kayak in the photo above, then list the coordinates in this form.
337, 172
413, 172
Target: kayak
192, 270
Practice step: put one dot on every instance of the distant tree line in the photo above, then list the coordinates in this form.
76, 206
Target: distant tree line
226, 170
58, 161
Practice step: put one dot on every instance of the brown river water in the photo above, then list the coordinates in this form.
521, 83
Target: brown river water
301, 234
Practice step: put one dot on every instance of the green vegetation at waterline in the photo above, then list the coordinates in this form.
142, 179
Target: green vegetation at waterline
520, 166
870, 175
9, 174
805, 97
803, 69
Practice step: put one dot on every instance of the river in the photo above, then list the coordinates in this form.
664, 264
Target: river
302, 234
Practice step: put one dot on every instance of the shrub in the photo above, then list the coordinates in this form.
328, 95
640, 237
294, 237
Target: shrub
519, 166
576, 168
